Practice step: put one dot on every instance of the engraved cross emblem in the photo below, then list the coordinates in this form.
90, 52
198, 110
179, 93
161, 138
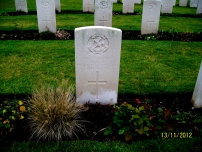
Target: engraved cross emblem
128, 6
150, 23
88, 5
97, 82
103, 21
20, 5
46, 20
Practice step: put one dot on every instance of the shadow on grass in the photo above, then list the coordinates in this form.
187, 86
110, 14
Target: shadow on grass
174, 101
114, 13
126, 35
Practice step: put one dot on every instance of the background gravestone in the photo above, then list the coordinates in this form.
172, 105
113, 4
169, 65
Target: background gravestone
194, 3
137, 1
128, 6
183, 3
167, 6
57, 5
21, 5
103, 13
113, 1
150, 16
46, 15
88, 6
174, 2
199, 8
197, 95
97, 55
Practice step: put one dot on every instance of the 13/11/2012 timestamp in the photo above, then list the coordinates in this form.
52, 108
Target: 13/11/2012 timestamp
176, 134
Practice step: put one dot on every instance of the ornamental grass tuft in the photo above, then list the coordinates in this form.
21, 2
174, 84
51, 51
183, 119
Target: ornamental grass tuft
54, 114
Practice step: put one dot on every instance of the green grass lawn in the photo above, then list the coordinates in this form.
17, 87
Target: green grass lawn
147, 67
159, 145
124, 22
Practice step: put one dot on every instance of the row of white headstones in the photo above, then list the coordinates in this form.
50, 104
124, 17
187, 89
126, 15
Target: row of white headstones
97, 57
103, 13
128, 5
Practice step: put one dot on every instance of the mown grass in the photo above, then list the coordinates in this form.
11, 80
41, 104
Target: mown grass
147, 67
124, 22
158, 145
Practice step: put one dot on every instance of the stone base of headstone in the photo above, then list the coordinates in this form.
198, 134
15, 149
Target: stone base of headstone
197, 95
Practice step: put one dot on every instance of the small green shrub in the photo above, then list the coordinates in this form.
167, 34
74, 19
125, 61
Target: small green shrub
11, 114
3, 14
129, 121
54, 114
133, 122
191, 120
150, 37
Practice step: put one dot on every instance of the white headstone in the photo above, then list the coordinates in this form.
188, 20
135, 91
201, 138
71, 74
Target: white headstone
46, 15
174, 2
199, 8
103, 13
113, 1
88, 6
197, 95
21, 5
183, 3
150, 16
97, 55
167, 6
128, 6
194, 3
57, 5
137, 1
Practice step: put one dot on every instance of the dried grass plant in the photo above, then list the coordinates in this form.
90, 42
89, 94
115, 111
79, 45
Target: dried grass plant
54, 114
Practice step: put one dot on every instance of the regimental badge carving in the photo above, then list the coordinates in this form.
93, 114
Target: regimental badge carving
103, 4
45, 4
98, 44
152, 6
